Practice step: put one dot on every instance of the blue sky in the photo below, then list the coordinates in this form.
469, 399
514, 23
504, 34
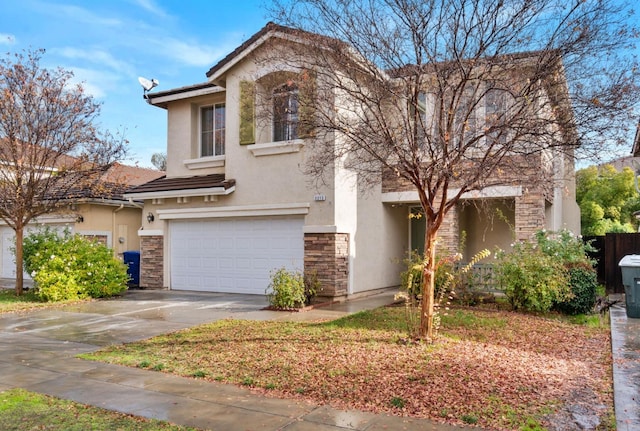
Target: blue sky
108, 44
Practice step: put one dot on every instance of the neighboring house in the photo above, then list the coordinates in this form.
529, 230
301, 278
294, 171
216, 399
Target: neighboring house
104, 215
236, 205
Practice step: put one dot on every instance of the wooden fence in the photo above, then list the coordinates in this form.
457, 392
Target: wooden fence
610, 249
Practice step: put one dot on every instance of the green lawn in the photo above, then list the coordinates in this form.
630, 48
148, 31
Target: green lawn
21, 410
9, 302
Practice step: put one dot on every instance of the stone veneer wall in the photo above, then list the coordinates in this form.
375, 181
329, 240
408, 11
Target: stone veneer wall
530, 216
151, 261
449, 233
327, 254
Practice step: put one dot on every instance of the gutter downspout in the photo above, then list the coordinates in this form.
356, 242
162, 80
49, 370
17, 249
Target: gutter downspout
113, 229
137, 205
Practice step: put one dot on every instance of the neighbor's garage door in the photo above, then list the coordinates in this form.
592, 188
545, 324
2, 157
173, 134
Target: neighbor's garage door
233, 255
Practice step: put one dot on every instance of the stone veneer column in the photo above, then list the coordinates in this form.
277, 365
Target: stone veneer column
327, 255
151, 261
530, 216
449, 233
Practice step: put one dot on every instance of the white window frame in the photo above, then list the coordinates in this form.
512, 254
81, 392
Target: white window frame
218, 148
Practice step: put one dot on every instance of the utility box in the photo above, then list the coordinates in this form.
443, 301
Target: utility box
132, 260
630, 267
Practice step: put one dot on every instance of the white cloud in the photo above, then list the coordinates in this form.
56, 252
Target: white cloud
97, 83
190, 54
78, 14
7, 39
151, 6
95, 56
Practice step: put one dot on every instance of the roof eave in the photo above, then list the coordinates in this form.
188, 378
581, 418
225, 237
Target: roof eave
161, 99
166, 194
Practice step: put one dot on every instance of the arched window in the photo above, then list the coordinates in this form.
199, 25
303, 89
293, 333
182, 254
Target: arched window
285, 112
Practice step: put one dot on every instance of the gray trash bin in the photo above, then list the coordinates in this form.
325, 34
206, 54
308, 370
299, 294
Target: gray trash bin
630, 266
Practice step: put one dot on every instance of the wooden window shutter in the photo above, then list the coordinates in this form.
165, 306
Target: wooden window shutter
307, 99
247, 113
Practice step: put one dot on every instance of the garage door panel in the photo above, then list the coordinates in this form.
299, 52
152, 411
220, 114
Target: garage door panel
233, 255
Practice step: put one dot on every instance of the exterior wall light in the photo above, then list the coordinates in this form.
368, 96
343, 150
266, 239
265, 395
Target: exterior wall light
79, 219
150, 218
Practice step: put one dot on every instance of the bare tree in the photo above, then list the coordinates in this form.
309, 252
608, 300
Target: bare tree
159, 160
50, 150
453, 96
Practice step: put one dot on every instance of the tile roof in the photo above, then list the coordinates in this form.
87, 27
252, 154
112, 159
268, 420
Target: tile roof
164, 184
111, 185
130, 175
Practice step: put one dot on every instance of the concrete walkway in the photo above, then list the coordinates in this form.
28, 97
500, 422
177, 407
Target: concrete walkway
625, 347
37, 353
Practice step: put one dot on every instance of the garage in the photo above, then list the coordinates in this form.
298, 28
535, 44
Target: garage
233, 255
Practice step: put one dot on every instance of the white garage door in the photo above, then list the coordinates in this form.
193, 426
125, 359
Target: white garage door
233, 255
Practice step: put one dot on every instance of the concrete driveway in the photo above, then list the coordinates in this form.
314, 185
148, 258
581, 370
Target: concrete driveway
138, 314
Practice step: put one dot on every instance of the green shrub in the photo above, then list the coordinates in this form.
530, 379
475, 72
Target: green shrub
565, 246
540, 274
411, 278
584, 286
286, 289
530, 279
67, 267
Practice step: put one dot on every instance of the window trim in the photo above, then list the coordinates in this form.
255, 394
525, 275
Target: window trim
213, 106
425, 106
290, 120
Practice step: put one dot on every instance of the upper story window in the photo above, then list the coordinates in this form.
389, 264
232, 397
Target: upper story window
496, 108
479, 118
285, 112
212, 130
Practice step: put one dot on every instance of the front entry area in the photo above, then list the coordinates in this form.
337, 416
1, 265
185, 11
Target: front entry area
233, 255
487, 224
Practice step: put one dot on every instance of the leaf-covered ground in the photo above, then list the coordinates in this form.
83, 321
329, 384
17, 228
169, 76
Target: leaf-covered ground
496, 369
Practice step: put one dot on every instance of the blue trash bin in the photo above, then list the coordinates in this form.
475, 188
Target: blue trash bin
132, 260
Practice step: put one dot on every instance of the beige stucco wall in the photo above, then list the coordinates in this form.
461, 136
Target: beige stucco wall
382, 239
484, 226
119, 224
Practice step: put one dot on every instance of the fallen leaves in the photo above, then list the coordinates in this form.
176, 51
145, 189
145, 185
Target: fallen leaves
496, 368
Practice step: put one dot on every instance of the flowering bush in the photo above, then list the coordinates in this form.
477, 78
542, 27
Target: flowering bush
66, 266
552, 270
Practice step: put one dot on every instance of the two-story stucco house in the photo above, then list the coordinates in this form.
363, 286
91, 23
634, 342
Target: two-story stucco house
235, 203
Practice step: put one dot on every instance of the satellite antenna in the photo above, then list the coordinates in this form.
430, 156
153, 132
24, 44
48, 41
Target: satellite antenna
147, 85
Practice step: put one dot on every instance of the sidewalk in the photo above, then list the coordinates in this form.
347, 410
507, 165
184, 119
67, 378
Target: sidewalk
37, 353
625, 347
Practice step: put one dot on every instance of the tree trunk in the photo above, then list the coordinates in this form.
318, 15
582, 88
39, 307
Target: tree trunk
428, 285
19, 263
